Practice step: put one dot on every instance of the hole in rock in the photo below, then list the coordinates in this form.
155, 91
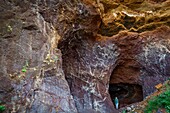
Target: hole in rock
126, 93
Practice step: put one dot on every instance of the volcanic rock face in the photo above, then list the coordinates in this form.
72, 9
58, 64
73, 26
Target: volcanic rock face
99, 46
88, 63
94, 63
32, 79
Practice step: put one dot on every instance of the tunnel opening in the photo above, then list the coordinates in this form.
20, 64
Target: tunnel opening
126, 93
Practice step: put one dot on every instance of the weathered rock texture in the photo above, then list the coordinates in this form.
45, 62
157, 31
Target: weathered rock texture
94, 63
91, 59
103, 42
29, 43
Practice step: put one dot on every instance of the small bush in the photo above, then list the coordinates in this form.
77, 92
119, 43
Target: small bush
160, 101
2, 108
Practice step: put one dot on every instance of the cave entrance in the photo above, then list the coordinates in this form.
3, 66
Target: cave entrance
126, 93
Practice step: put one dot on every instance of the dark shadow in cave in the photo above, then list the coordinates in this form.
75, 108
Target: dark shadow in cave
126, 93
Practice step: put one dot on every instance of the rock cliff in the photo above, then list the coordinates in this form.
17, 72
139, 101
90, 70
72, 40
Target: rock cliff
76, 56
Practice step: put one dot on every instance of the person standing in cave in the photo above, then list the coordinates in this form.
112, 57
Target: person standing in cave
116, 101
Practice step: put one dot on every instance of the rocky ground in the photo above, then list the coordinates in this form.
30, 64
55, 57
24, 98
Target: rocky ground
141, 106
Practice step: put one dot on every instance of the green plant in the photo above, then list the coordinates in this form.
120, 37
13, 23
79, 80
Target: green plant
124, 111
2, 108
24, 68
160, 101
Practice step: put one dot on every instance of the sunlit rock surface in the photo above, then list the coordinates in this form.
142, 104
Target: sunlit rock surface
133, 15
66, 55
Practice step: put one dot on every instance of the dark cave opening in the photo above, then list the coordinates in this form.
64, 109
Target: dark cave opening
126, 93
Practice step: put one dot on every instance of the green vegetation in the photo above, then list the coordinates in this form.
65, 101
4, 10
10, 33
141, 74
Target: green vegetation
160, 101
124, 111
2, 108
24, 68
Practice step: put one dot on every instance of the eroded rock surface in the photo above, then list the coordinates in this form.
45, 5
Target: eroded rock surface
131, 58
32, 79
102, 42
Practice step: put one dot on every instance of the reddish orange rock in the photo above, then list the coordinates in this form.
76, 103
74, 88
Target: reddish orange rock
158, 86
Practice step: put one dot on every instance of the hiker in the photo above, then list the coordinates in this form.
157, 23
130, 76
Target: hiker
116, 101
